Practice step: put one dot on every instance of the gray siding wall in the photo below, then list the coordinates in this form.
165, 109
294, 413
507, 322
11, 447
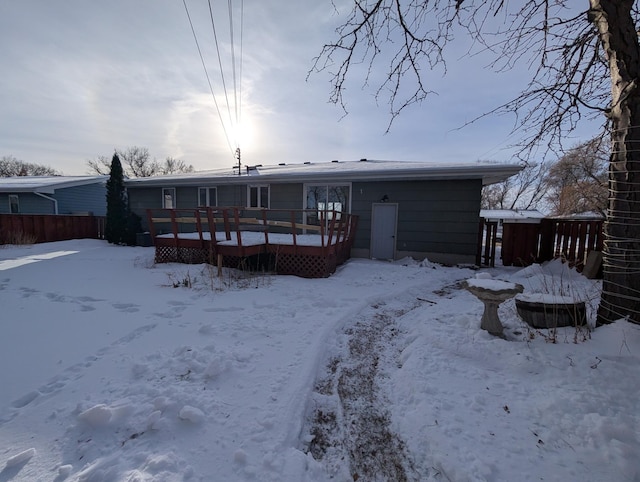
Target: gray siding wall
29, 203
232, 196
286, 197
90, 198
433, 216
143, 198
71, 200
283, 196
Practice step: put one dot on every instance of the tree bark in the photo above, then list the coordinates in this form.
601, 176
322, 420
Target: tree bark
621, 256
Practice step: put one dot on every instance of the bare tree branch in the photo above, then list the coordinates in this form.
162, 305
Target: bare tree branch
410, 39
10, 167
583, 63
137, 162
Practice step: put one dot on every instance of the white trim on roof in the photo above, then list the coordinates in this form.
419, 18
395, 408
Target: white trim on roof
46, 184
334, 171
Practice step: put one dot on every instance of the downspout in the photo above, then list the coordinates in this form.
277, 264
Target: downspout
55, 201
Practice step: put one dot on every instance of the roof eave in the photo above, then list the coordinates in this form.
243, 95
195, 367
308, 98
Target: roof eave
489, 175
40, 189
51, 188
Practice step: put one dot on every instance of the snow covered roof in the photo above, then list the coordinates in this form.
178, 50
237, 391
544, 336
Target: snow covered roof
46, 184
586, 215
363, 170
513, 215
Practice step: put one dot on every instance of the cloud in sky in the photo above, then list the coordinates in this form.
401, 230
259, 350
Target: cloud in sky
82, 78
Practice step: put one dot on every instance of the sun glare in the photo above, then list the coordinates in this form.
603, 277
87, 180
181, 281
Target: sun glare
242, 134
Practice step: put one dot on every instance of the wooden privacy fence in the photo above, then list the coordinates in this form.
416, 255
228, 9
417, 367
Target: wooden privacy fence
527, 243
44, 228
487, 241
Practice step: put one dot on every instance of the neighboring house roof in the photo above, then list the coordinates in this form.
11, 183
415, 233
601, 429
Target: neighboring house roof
46, 184
585, 216
513, 215
363, 170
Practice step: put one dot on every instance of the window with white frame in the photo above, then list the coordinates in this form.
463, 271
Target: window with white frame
169, 197
207, 196
258, 196
14, 205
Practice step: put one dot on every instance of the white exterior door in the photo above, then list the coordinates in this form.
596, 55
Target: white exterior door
384, 217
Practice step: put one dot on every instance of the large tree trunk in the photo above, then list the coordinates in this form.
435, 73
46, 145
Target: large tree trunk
621, 285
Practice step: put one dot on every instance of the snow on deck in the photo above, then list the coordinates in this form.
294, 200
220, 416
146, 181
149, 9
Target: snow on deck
252, 238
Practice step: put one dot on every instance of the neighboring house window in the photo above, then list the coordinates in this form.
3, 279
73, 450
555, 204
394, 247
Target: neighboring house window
326, 198
14, 205
207, 196
168, 198
258, 196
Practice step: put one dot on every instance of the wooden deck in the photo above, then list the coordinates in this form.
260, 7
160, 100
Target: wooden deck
235, 237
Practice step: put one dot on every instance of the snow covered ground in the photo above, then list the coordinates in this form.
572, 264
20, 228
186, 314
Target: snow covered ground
116, 369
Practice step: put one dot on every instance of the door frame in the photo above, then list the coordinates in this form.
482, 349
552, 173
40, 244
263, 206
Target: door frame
373, 225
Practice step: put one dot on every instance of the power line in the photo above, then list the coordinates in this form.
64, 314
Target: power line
233, 63
207, 76
241, 58
224, 83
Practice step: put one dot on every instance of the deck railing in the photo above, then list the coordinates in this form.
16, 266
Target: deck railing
225, 235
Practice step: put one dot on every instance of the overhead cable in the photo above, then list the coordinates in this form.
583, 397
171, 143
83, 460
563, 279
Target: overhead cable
224, 83
207, 76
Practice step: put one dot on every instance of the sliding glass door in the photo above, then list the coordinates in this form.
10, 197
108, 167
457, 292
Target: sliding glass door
327, 201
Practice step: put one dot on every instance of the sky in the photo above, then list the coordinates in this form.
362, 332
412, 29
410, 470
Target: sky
81, 79
114, 368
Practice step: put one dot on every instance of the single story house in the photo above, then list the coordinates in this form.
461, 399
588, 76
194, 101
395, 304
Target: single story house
53, 195
404, 209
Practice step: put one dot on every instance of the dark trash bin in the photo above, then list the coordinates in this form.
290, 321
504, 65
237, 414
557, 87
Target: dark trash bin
143, 239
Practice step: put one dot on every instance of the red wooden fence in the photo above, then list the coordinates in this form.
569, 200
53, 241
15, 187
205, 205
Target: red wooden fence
527, 243
487, 241
43, 228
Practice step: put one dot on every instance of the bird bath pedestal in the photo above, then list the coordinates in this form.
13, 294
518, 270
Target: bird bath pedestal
492, 292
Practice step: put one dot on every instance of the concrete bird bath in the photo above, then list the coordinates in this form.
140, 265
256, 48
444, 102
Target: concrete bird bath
492, 292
